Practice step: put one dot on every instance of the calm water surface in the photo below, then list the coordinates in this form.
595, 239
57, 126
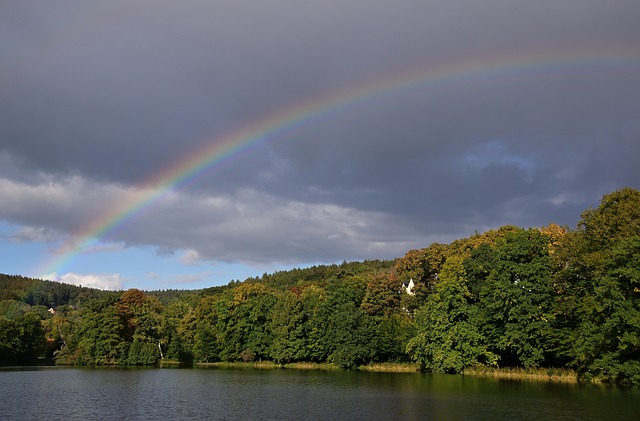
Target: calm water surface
54, 393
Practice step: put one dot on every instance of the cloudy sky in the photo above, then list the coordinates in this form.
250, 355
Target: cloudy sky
363, 129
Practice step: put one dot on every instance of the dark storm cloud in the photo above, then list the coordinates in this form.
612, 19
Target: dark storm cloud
95, 96
476, 153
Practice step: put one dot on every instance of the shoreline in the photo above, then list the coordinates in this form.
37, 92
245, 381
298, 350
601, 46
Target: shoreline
555, 375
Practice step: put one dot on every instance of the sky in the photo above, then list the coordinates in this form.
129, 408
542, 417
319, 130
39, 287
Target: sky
180, 145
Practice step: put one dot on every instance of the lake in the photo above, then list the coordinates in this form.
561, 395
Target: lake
53, 393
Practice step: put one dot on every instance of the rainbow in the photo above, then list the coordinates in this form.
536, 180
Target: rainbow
221, 151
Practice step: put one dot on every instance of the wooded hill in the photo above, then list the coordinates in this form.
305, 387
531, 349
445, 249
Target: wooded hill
511, 297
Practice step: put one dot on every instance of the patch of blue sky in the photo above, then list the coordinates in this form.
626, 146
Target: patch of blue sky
19, 255
496, 153
148, 269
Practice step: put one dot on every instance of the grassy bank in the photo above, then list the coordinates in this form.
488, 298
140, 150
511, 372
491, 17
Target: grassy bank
269, 365
312, 366
560, 375
391, 367
258, 365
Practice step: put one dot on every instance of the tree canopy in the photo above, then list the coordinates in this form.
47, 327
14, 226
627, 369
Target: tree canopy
510, 297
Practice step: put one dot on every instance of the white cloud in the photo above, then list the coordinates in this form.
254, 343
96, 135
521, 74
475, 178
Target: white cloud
108, 281
255, 227
62, 204
32, 234
190, 257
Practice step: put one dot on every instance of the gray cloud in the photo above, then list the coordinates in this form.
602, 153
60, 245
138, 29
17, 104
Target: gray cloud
96, 96
249, 227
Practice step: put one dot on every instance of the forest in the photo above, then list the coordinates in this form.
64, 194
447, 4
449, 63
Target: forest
549, 296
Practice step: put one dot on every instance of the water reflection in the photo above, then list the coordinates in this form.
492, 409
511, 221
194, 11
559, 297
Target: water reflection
72, 393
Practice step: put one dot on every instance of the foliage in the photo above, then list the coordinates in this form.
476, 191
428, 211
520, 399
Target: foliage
517, 298
447, 337
21, 339
287, 323
547, 297
348, 336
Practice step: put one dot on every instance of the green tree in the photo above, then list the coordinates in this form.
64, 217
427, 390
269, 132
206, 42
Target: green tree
617, 217
244, 327
422, 266
142, 352
141, 316
287, 325
64, 328
210, 316
32, 336
22, 340
314, 309
607, 340
516, 297
349, 338
102, 339
178, 348
382, 296
447, 337
393, 333
391, 325
597, 289
9, 340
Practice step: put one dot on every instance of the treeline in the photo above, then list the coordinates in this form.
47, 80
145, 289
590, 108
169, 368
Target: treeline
511, 297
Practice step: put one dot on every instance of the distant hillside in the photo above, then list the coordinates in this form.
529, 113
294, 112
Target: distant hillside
53, 294
47, 293
35, 292
322, 274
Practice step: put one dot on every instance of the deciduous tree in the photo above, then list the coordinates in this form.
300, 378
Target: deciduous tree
448, 338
